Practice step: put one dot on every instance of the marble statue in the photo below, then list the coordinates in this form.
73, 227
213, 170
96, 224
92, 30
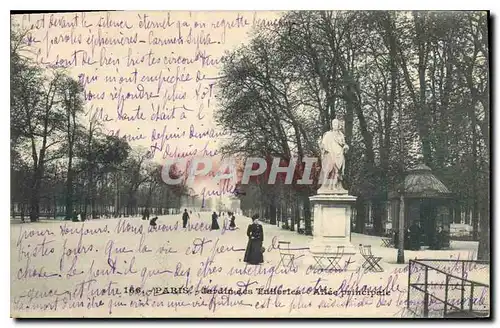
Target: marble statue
333, 147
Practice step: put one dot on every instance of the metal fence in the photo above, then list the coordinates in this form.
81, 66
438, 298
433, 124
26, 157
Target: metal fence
445, 289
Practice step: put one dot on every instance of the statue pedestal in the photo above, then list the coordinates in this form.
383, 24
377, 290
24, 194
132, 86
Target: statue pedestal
332, 227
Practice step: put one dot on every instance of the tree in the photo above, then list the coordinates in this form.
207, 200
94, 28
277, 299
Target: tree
70, 93
431, 68
40, 119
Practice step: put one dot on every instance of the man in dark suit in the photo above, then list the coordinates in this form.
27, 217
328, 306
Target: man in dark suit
185, 218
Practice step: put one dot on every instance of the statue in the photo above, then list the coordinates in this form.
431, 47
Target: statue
333, 147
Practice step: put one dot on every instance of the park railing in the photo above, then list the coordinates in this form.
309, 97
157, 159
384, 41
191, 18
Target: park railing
445, 289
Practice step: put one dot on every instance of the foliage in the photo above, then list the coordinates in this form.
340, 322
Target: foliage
409, 86
60, 158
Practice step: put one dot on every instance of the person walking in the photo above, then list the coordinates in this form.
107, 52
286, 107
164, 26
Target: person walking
255, 233
232, 224
185, 218
215, 224
414, 234
438, 239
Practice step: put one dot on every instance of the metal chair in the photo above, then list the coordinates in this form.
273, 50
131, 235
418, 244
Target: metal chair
371, 261
386, 242
286, 255
331, 258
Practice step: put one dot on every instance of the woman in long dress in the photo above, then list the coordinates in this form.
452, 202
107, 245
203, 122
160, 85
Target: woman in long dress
232, 224
255, 233
215, 224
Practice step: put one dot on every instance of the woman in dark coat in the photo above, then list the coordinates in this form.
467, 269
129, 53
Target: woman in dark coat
232, 224
438, 239
255, 233
415, 233
215, 224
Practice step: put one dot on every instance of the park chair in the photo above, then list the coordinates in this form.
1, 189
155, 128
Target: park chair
387, 242
286, 255
335, 260
371, 261
331, 258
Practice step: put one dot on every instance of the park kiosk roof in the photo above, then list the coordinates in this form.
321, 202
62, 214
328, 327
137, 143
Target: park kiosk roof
421, 183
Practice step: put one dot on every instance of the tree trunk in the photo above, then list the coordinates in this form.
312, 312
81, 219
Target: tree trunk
360, 215
272, 213
483, 252
297, 213
117, 197
279, 214
93, 206
35, 195
378, 216
130, 206
69, 186
475, 219
55, 207
307, 214
35, 204
423, 117
92, 194
22, 212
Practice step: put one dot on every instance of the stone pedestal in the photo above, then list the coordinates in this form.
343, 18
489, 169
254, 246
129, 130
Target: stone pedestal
332, 224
